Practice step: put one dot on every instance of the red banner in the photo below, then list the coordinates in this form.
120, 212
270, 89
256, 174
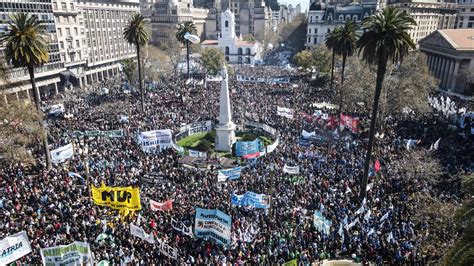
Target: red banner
161, 206
349, 122
377, 166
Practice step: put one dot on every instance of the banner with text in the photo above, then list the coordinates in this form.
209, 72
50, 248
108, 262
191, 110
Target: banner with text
14, 247
99, 133
232, 173
285, 112
260, 201
292, 170
76, 253
121, 198
63, 153
247, 147
193, 128
213, 224
155, 138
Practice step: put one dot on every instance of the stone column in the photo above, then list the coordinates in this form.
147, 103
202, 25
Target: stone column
440, 68
5, 98
80, 82
448, 74
17, 97
435, 66
56, 91
452, 86
430, 59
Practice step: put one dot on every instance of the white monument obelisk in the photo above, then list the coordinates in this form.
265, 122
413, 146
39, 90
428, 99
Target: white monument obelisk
225, 130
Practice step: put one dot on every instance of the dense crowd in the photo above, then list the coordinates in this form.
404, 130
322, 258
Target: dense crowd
55, 208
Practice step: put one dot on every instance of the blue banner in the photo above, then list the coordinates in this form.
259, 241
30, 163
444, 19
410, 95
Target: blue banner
213, 224
232, 173
247, 147
322, 224
260, 201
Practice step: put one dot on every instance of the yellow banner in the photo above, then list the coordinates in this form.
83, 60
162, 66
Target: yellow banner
291, 263
121, 198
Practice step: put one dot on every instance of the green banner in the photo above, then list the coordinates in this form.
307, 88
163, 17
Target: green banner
77, 253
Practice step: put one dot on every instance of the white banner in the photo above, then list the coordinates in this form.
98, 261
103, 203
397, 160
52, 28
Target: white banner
292, 170
14, 247
63, 153
76, 253
140, 233
167, 250
194, 153
307, 135
285, 112
156, 138
180, 226
273, 146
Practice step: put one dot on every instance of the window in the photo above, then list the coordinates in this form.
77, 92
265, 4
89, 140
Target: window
63, 6
317, 18
61, 44
226, 50
78, 44
68, 31
341, 17
60, 32
309, 39
76, 32
310, 19
329, 30
315, 31
227, 58
354, 17
226, 24
247, 51
239, 51
72, 6
315, 40
309, 30
69, 45
55, 4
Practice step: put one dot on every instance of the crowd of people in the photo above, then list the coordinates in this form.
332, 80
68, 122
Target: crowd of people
55, 208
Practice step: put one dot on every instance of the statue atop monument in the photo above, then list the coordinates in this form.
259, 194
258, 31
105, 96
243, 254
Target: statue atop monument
225, 130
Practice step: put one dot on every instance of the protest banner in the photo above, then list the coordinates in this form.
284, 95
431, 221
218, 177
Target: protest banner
167, 250
292, 170
140, 233
304, 142
232, 173
161, 206
273, 146
291, 263
99, 133
155, 138
200, 154
263, 127
307, 135
180, 226
63, 153
213, 224
295, 180
56, 109
278, 80
14, 247
76, 253
193, 128
285, 112
247, 147
121, 198
259, 201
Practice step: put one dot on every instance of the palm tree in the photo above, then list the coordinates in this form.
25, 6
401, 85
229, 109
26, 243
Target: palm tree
25, 46
385, 38
331, 40
343, 42
183, 28
137, 32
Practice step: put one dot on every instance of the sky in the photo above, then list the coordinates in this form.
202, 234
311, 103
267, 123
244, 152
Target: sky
304, 3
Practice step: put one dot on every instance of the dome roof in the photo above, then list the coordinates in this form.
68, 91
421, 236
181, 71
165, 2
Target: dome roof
317, 6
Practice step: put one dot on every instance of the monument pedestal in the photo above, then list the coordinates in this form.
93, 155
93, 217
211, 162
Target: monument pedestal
225, 137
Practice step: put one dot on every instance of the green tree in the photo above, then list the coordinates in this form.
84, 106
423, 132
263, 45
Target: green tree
129, 68
249, 38
183, 28
25, 46
321, 57
305, 60
385, 38
137, 32
212, 60
343, 42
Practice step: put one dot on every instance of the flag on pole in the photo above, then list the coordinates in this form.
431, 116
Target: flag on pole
367, 215
385, 216
436, 144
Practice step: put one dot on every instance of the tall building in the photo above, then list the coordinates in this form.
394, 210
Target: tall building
86, 41
465, 18
165, 15
323, 18
252, 17
429, 15
48, 73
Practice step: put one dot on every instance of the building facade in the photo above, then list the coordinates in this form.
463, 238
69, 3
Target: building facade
465, 17
166, 15
86, 43
429, 15
252, 17
450, 55
236, 50
323, 18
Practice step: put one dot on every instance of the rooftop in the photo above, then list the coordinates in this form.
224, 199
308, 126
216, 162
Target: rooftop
460, 39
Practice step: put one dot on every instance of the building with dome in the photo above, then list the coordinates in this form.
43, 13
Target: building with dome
323, 18
236, 50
